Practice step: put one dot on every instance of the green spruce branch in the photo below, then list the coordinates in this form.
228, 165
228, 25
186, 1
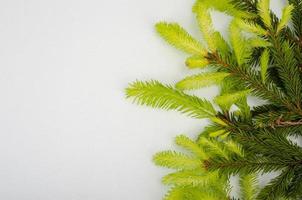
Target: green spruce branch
263, 58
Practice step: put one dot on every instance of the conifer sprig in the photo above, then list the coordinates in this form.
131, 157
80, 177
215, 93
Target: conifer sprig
249, 186
178, 37
263, 59
157, 95
201, 80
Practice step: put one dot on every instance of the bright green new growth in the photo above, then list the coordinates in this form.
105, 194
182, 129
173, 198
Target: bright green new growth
175, 160
178, 37
197, 62
249, 186
264, 12
264, 62
250, 27
286, 15
227, 100
158, 95
223, 6
262, 58
201, 80
241, 47
191, 146
191, 176
213, 38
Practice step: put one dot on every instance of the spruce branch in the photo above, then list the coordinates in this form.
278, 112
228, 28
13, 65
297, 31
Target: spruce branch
201, 80
190, 178
277, 187
174, 160
157, 95
213, 38
249, 186
264, 59
180, 38
286, 64
286, 16
225, 6
248, 5
264, 12
294, 188
197, 62
252, 81
188, 144
296, 18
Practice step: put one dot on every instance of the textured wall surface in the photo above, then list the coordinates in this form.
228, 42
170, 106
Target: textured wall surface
66, 130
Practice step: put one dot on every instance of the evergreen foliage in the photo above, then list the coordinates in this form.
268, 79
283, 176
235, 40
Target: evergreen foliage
263, 58
192, 181
201, 80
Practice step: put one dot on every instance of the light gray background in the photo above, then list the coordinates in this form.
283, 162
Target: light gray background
67, 132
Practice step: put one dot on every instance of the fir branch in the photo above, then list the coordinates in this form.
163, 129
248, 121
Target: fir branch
213, 147
224, 6
294, 189
251, 26
277, 187
290, 130
157, 95
179, 38
286, 65
186, 143
201, 80
227, 100
213, 38
252, 81
271, 144
264, 12
266, 63
174, 160
237, 165
286, 16
248, 5
248, 186
297, 18
190, 178
241, 49
197, 62
267, 152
